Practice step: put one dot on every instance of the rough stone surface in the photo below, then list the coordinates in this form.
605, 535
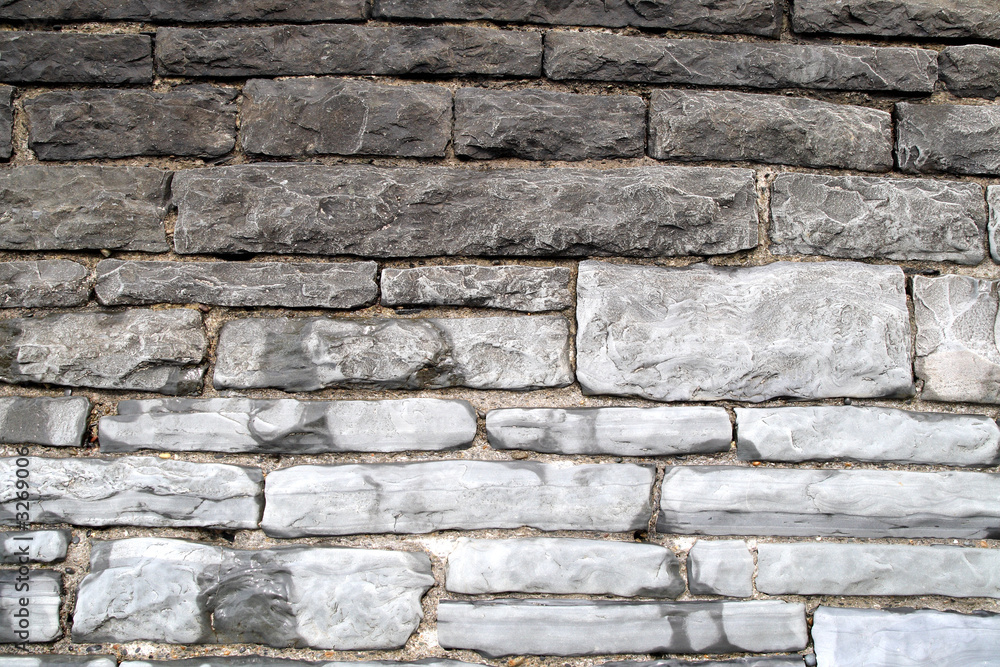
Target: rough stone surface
607, 57
6, 121
726, 500
862, 217
697, 125
33, 546
183, 11
265, 661
347, 49
181, 592
548, 125
526, 288
442, 495
330, 116
50, 660
877, 569
723, 567
778, 661
886, 18
137, 491
846, 433
42, 596
593, 627
564, 566
48, 283
288, 426
953, 138
144, 350
56, 422
747, 334
972, 70
638, 212
313, 285
993, 198
305, 354
83, 207
614, 431
194, 121
55, 57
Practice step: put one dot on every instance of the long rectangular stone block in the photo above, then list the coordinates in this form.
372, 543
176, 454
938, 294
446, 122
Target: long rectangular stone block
29, 606
47, 283
373, 212
525, 288
6, 121
697, 125
726, 500
56, 422
952, 138
144, 350
57, 57
804, 330
753, 661
288, 426
181, 592
902, 18
444, 495
183, 11
54, 660
263, 661
971, 70
33, 546
594, 627
134, 491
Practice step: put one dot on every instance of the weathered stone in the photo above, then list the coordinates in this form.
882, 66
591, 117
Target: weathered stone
698, 125
972, 70
810, 330
861, 217
616, 431
877, 569
723, 567
442, 495
50, 660
548, 125
34, 546
954, 138
726, 500
368, 211
890, 18
288, 426
47, 283
42, 608
181, 592
83, 207
313, 285
993, 199
194, 121
266, 661
310, 353
526, 288
136, 491
65, 57
775, 661
564, 566
183, 11
56, 422
700, 62
889, 638
594, 627
347, 49
6, 121
331, 116
144, 350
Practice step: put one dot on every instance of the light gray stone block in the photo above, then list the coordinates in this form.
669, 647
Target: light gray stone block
48, 283
443, 495
191, 11
525, 288
891, 18
69, 57
993, 199
804, 330
952, 138
754, 661
971, 70
50, 660
36, 621
723, 567
180, 592
33, 546
56, 422
564, 566
267, 661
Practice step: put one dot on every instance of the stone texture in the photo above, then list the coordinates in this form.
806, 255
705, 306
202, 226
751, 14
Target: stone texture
548, 125
288, 426
56, 422
48, 283
310, 353
42, 608
723, 567
441, 495
700, 62
879, 435
241, 284
181, 592
525, 288
815, 330
55, 57
183, 11
6, 121
137, 491
614, 431
993, 199
357, 210
564, 566
877, 569
189, 121
726, 500
890, 18
144, 350
83, 207
594, 627
866, 217
953, 138
754, 661
696, 125
972, 70
331, 116
50, 660
266, 661
917, 638
347, 49
34, 546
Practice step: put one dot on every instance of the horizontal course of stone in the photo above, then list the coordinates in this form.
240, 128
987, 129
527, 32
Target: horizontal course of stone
56, 422
52, 57
524, 288
33, 546
184, 12
720, 567
29, 606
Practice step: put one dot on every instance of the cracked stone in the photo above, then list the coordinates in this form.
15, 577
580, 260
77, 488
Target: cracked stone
49, 283
899, 18
186, 11
33, 546
524, 288
42, 595
722, 567
55, 422
64, 57
972, 70
953, 138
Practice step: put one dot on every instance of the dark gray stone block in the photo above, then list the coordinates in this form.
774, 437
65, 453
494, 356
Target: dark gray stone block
953, 138
722, 567
56, 57
525, 288
899, 18
47, 283
972, 70
56, 422
33, 546
42, 597
993, 199
183, 11
6, 121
